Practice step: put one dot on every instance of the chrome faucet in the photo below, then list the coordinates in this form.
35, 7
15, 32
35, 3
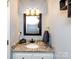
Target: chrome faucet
32, 41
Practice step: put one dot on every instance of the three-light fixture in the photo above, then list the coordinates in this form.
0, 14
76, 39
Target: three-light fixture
32, 11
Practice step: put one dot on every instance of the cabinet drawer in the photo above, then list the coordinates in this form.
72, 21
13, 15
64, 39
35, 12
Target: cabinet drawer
21, 56
43, 56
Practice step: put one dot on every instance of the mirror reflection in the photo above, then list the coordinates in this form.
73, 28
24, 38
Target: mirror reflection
32, 24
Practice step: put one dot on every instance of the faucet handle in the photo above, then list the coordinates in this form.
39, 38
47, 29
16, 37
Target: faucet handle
32, 39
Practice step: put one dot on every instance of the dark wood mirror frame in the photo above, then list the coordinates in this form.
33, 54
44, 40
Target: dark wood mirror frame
40, 26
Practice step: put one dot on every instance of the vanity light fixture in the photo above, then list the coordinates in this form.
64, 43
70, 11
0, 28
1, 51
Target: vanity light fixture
32, 12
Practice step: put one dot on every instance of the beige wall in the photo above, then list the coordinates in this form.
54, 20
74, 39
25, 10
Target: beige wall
14, 21
60, 29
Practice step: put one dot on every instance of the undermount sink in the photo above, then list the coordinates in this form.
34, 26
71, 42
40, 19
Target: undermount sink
32, 46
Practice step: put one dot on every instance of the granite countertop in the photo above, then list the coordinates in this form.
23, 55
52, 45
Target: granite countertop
43, 47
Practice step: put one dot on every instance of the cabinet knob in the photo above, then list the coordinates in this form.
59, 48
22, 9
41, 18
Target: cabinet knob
42, 58
23, 58
7, 42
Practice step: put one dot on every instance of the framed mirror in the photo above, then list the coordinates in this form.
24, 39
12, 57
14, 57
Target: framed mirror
32, 24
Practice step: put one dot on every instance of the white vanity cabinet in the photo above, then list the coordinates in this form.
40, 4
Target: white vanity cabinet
32, 55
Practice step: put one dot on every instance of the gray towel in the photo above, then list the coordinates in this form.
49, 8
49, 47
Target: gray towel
46, 37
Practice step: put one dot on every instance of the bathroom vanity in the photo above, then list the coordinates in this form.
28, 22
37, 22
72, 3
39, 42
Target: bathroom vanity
32, 49
36, 50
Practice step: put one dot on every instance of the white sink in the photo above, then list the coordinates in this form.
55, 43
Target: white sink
32, 46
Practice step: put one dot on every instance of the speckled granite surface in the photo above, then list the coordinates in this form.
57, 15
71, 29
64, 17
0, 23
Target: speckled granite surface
43, 47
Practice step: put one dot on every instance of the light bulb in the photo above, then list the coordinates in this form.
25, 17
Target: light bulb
32, 11
27, 12
37, 12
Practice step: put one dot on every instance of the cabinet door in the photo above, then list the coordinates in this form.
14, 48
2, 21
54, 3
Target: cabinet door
28, 56
49, 56
21, 56
36, 57
43, 56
